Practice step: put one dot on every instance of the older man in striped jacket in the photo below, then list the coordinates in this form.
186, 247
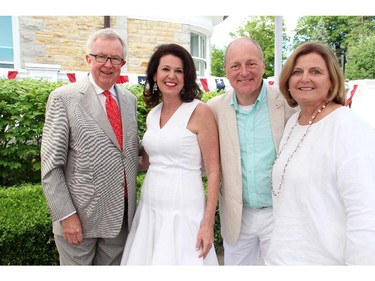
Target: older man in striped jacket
89, 167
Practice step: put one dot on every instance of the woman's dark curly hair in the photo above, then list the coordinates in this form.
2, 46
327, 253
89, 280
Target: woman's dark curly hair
190, 90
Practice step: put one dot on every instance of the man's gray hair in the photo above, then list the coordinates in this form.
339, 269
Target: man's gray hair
107, 33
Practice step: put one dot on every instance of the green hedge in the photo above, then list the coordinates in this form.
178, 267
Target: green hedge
25, 227
26, 236
22, 107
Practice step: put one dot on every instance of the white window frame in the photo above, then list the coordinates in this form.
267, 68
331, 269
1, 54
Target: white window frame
202, 57
16, 45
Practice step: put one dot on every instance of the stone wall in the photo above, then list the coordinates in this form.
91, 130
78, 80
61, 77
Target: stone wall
145, 35
56, 40
62, 40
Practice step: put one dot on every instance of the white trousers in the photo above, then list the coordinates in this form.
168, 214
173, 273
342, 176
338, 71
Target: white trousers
254, 239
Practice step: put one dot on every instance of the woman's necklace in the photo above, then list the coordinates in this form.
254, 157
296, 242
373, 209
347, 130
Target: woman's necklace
277, 191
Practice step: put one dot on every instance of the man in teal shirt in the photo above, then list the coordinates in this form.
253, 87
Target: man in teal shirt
257, 150
251, 119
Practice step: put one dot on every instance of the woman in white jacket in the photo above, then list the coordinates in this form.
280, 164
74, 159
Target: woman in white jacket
323, 180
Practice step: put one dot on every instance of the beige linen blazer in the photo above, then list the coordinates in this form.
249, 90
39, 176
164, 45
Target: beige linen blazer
83, 168
230, 199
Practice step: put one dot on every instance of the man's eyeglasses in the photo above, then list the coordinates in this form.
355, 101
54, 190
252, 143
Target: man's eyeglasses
103, 59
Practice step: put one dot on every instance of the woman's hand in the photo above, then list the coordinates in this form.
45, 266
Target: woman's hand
205, 240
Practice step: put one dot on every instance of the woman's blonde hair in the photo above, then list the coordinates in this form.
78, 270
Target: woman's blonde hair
337, 93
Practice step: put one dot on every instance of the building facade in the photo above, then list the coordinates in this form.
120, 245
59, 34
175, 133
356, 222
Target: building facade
58, 43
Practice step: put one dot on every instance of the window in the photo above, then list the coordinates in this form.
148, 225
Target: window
198, 51
6, 42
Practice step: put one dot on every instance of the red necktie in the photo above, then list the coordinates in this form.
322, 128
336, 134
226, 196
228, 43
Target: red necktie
114, 118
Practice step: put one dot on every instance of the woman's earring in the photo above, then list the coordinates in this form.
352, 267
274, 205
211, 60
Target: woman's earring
155, 88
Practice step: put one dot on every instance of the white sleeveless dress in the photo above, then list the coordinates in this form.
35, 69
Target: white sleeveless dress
172, 203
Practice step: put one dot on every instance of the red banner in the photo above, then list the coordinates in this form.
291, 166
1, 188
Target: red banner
12, 74
351, 95
72, 77
122, 79
205, 84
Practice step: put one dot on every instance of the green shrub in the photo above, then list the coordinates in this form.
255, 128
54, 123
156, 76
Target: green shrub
22, 107
209, 95
25, 227
26, 236
218, 240
142, 110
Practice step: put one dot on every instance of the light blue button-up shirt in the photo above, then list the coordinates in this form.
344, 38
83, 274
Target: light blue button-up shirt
257, 151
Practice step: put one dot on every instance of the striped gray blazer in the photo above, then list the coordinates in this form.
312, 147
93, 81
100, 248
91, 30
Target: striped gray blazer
81, 162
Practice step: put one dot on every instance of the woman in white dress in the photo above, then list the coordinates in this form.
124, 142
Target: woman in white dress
174, 221
324, 176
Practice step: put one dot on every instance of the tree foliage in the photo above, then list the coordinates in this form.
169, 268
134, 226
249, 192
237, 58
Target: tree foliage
350, 37
341, 30
259, 28
361, 62
217, 62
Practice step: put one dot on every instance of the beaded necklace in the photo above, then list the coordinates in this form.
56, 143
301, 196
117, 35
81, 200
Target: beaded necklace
277, 191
